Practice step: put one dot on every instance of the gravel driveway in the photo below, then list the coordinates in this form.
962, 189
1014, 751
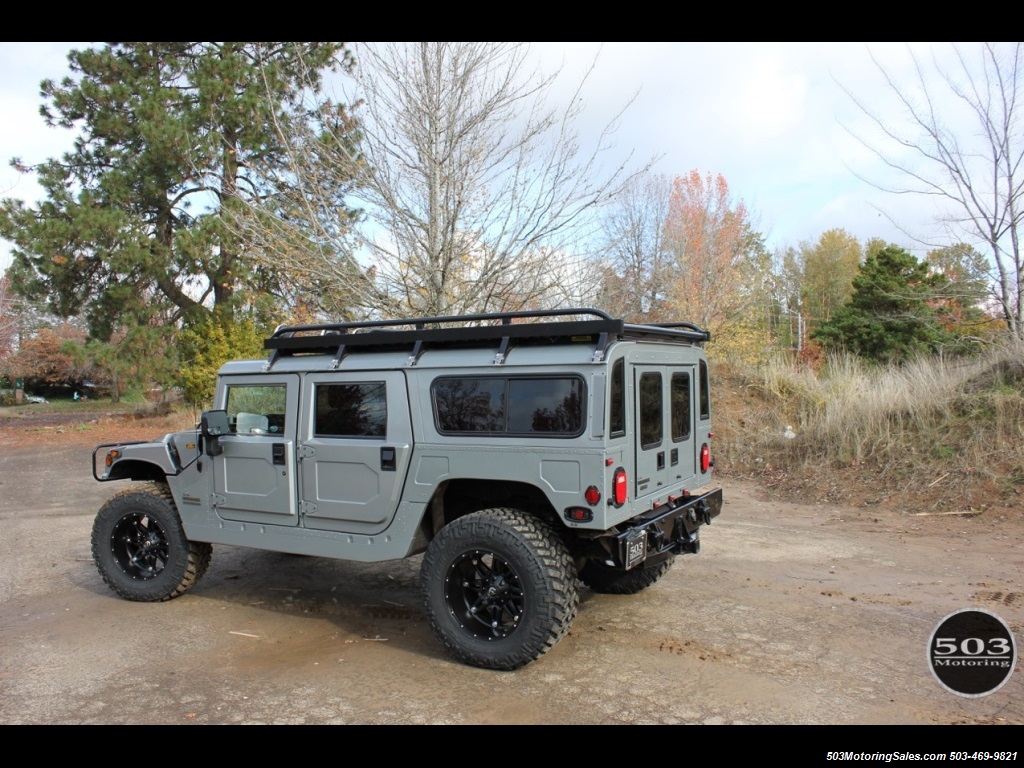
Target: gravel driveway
791, 614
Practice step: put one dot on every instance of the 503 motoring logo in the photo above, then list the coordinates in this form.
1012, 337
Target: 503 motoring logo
972, 653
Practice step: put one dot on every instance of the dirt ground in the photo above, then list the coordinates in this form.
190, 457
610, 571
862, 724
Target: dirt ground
793, 613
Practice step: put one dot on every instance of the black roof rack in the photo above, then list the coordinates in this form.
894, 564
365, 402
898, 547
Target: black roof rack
501, 329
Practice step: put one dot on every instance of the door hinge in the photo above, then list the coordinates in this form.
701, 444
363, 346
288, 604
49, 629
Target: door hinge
307, 508
216, 500
305, 451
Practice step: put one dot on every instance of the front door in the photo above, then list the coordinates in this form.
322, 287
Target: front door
254, 477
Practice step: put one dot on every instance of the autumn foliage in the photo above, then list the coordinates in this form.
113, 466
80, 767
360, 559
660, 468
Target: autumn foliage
682, 249
46, 358
706, 233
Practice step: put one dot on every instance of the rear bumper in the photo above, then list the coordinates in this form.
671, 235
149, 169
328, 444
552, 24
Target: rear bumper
672, 529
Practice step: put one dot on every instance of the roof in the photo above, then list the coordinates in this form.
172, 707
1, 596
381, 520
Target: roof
500, 330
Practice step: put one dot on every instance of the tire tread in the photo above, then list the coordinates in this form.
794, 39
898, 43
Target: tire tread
197, 555
543, 545
608, 581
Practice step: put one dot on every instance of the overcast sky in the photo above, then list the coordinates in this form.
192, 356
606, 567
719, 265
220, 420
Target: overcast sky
772, 118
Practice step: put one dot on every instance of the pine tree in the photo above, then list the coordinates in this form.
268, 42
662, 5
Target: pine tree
893, 312
173, 136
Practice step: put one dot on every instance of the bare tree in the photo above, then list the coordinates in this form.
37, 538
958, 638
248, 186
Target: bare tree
19, 319
476, 189
447, 186
975, 175
298, 222
9, 317
634, 231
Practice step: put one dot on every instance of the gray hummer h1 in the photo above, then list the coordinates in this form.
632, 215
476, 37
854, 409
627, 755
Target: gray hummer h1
522, 452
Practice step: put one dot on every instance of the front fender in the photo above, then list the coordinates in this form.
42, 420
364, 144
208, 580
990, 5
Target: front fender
137, 460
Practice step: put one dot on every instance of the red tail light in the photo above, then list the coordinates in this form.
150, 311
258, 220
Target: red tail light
619, 487
705, 458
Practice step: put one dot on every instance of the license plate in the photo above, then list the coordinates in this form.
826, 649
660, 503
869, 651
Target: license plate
636, 550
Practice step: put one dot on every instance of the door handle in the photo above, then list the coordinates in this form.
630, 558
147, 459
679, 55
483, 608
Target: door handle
278, 453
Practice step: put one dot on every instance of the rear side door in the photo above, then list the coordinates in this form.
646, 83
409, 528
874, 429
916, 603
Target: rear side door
664, 397
356, 444
254, 476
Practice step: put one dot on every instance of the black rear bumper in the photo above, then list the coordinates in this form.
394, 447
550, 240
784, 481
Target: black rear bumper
672, 529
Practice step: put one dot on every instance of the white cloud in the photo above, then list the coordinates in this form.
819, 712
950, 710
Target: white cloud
23, 133
772, 118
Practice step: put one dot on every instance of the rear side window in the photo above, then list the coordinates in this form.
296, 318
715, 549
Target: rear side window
705, 392
351, 410
617, 409
509, 406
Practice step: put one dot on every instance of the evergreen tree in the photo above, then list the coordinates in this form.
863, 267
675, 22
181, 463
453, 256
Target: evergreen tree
173, 137
893, 312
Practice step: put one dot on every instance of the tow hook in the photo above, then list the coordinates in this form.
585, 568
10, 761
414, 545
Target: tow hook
686, 541
701, 511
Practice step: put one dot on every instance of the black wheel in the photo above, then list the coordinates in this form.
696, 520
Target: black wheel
500, 588
140, 548
611, 581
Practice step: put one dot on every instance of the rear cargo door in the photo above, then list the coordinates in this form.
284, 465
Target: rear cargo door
664, 419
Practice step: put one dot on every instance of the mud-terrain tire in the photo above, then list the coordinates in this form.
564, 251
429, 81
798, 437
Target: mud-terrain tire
140, 548
610, 581
500, 588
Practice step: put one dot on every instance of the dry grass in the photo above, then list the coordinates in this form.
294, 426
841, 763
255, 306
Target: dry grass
947, 425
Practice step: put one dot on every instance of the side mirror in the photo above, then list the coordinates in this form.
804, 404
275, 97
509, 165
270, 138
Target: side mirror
214, 425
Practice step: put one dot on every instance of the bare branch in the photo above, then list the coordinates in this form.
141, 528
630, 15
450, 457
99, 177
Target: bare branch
977, 174
473, 183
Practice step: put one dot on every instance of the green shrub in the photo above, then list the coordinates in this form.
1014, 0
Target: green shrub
207, 345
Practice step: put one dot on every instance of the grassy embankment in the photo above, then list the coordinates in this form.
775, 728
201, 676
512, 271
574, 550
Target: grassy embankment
931, 434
